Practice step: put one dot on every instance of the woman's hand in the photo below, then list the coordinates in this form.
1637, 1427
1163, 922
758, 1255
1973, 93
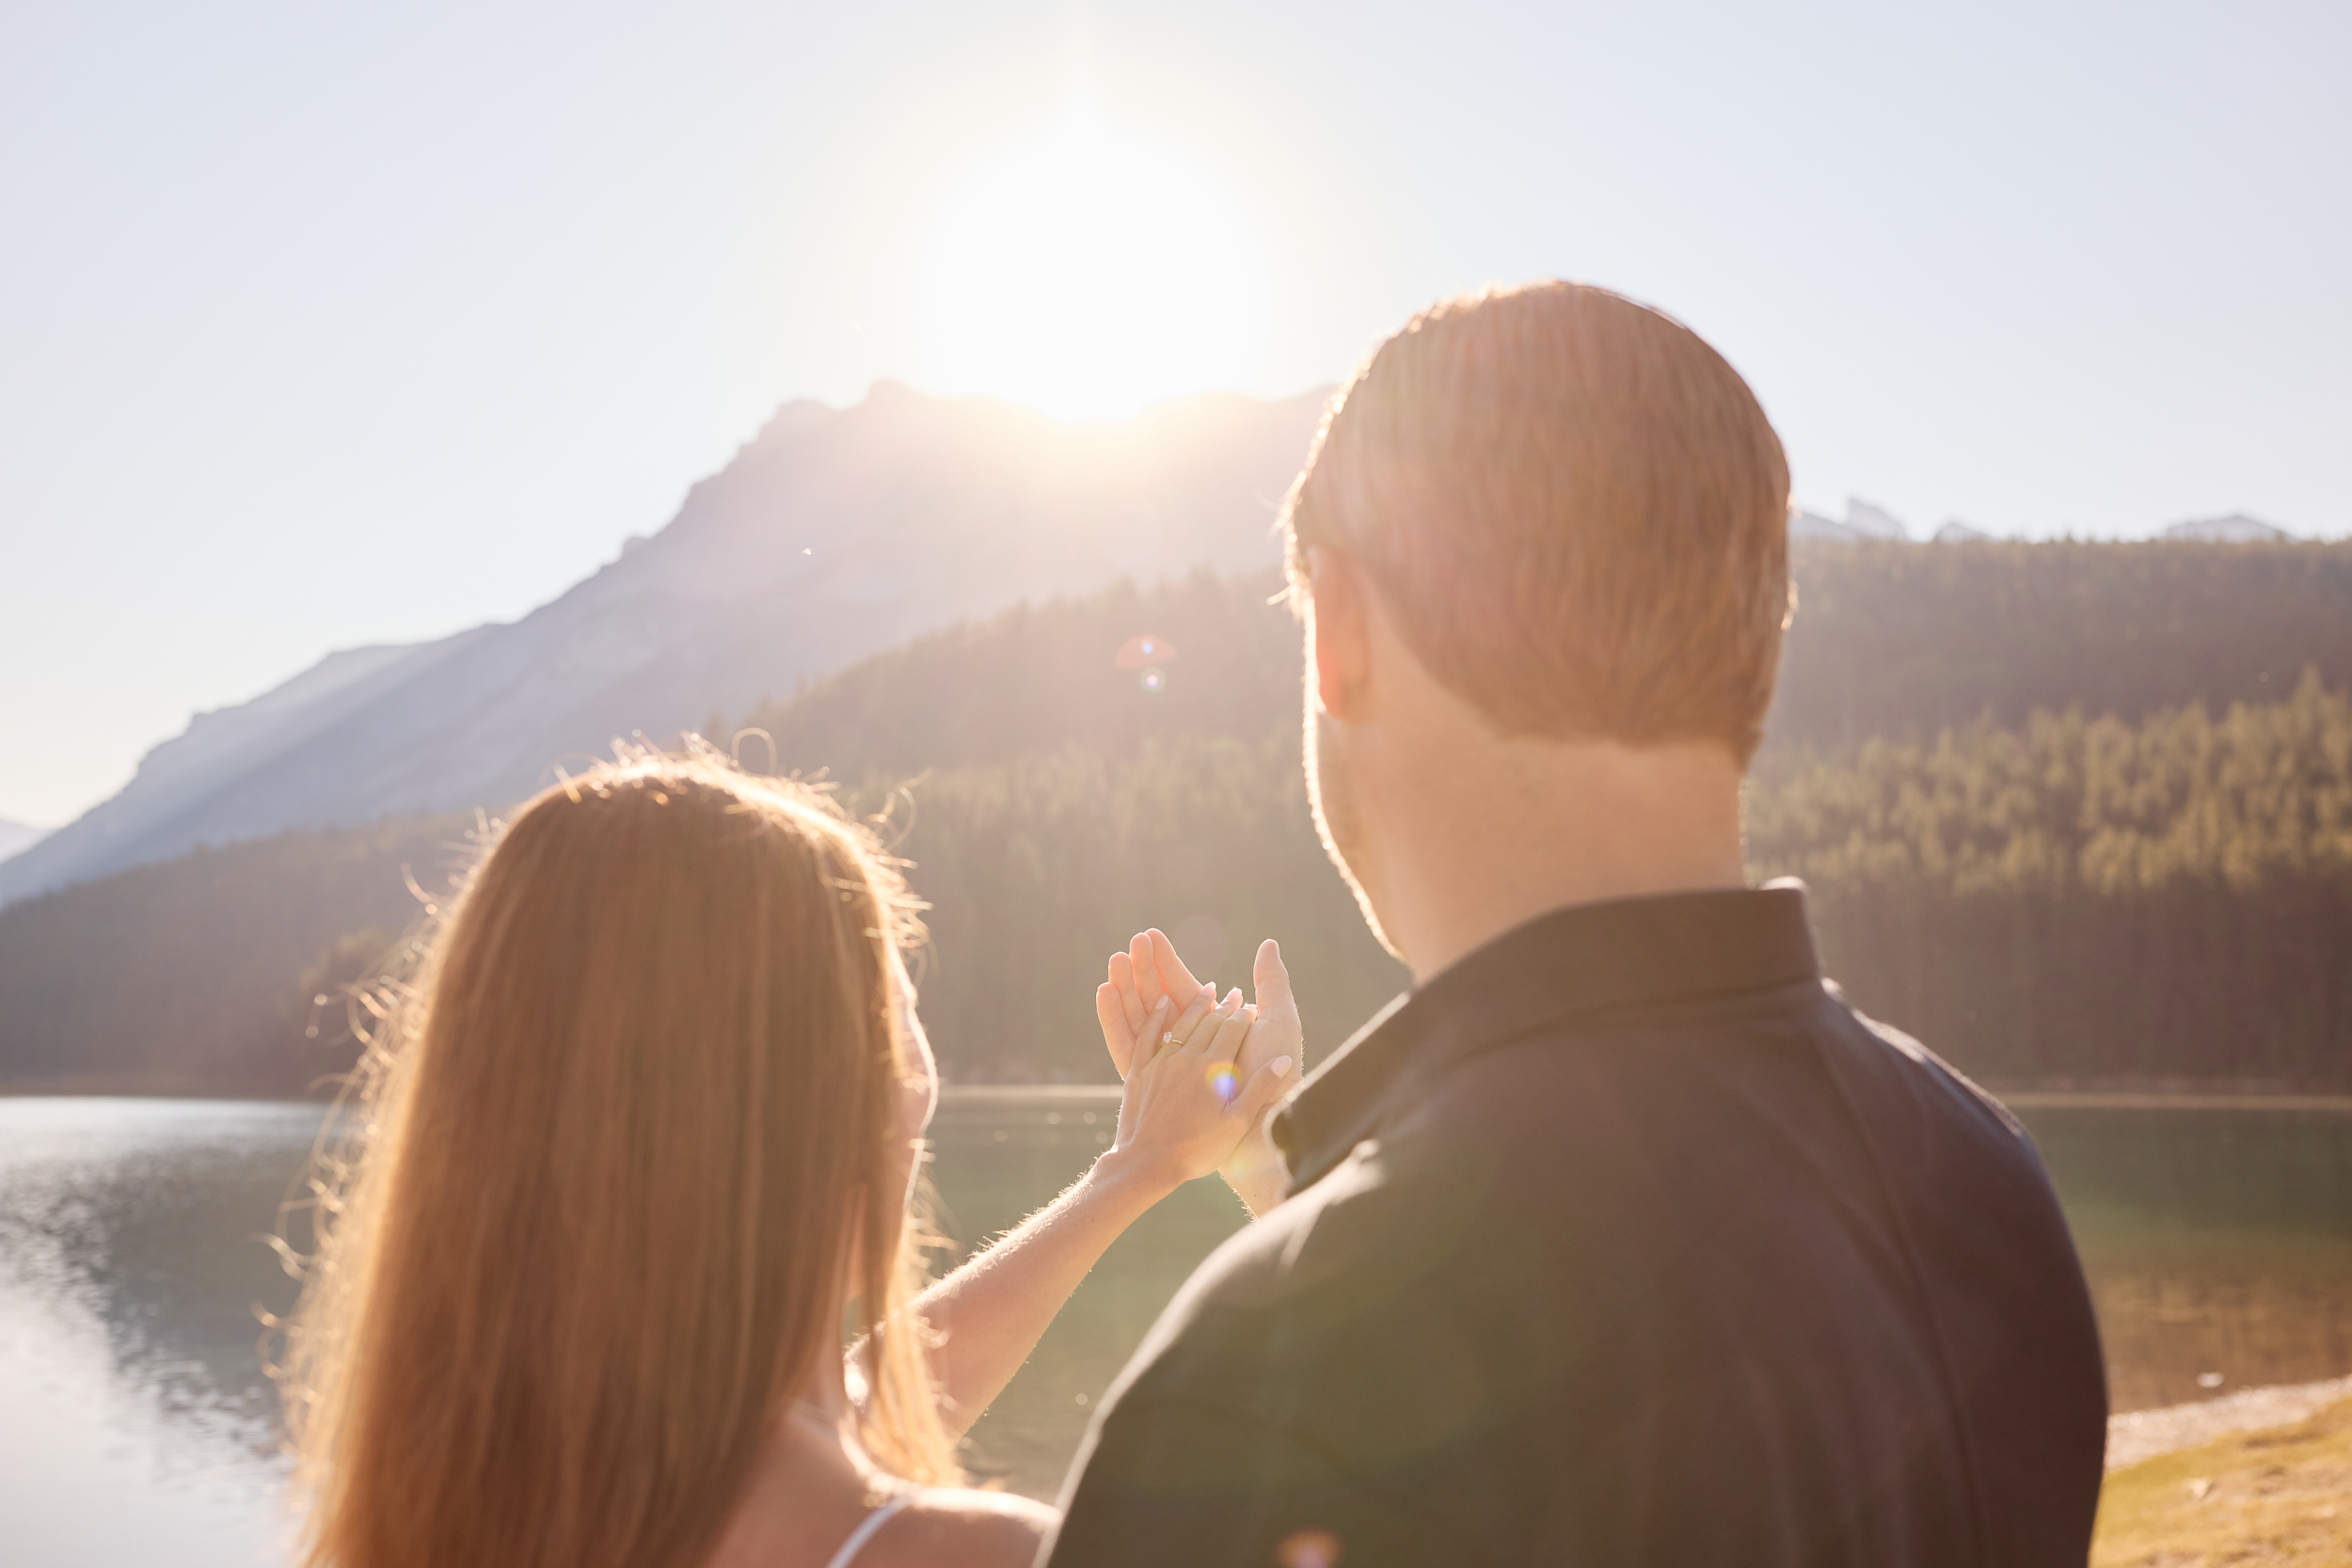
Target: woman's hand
1187, 1108
1151, 971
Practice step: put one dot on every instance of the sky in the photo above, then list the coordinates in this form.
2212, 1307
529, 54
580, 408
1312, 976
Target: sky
327, 326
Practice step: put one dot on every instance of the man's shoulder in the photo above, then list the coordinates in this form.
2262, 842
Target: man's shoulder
1893, 1077
1333, 1226
1536, 1092
1327, 1266
1465, 1209
1320, 1354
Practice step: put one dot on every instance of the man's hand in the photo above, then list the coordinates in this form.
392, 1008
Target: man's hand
1187, 1106
1150, 970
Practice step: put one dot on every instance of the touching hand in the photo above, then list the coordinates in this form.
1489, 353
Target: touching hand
1150, 972
1186, 1106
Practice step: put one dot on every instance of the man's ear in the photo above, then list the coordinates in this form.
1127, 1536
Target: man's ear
1343, 634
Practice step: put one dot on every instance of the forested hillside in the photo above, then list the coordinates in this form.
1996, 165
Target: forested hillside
2056, 853
1889, 640
1046, 678
1902, 640
2077, 900
1036, 869
196, 976
2089, 899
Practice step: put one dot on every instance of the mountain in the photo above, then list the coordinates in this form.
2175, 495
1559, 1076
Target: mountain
833, 535
1863, 520
1937, 764
16, 836
2236, 528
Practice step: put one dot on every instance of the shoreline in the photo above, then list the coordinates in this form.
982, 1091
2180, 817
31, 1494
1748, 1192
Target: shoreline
2139, 1436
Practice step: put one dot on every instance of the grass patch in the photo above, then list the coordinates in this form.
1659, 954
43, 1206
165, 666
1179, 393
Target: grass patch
2279, 1495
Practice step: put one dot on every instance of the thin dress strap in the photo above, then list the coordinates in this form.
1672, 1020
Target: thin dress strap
865, 1528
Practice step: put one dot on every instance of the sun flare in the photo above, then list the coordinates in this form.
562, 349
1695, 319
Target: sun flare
1088, 271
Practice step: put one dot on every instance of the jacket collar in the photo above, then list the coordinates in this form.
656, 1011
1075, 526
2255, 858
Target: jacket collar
1585, 961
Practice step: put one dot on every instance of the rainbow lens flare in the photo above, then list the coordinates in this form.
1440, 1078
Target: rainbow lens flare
1224, 1082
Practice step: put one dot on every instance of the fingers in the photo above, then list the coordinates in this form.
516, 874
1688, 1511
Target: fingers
1266, 1085
1150, 1040
1154, 944
1149, 984
1220, 1037
1186, 1023
1202, 1040
1140, 1081
1118, 1038
1271, 980
1122, 972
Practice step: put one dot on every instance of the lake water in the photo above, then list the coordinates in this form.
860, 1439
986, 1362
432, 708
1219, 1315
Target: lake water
136, 1426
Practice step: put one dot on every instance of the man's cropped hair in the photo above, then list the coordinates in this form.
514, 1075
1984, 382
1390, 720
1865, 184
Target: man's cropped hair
1574, 509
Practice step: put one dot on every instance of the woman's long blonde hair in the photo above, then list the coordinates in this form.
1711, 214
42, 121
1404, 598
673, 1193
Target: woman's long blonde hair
626, 1137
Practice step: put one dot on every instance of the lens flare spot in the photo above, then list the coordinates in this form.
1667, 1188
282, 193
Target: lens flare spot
1224, 1083
1143, 651
1155, 679
1308, 1548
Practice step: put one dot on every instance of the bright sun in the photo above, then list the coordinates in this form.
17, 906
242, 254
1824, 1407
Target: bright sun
1088, 271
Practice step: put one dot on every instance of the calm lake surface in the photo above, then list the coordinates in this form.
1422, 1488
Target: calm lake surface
136, 1426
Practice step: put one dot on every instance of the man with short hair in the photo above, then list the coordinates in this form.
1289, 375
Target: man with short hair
1619, 1239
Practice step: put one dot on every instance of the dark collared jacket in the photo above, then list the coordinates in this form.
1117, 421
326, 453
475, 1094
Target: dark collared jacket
1624, 1240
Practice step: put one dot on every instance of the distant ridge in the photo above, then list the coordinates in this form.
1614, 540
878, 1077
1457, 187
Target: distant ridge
2236, 528
16, 837
1863, 520
833, 535
1868, 520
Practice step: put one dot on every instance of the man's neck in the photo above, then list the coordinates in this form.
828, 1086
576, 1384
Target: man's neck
1536, 825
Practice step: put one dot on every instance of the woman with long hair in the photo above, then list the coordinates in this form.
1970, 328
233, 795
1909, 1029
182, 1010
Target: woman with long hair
621, 1275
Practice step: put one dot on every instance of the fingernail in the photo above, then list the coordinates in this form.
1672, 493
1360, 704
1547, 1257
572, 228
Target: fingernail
1161, 1006
1209, 990
1282, 1066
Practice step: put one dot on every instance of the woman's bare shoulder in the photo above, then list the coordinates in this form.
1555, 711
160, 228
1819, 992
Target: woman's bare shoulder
945, 1526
